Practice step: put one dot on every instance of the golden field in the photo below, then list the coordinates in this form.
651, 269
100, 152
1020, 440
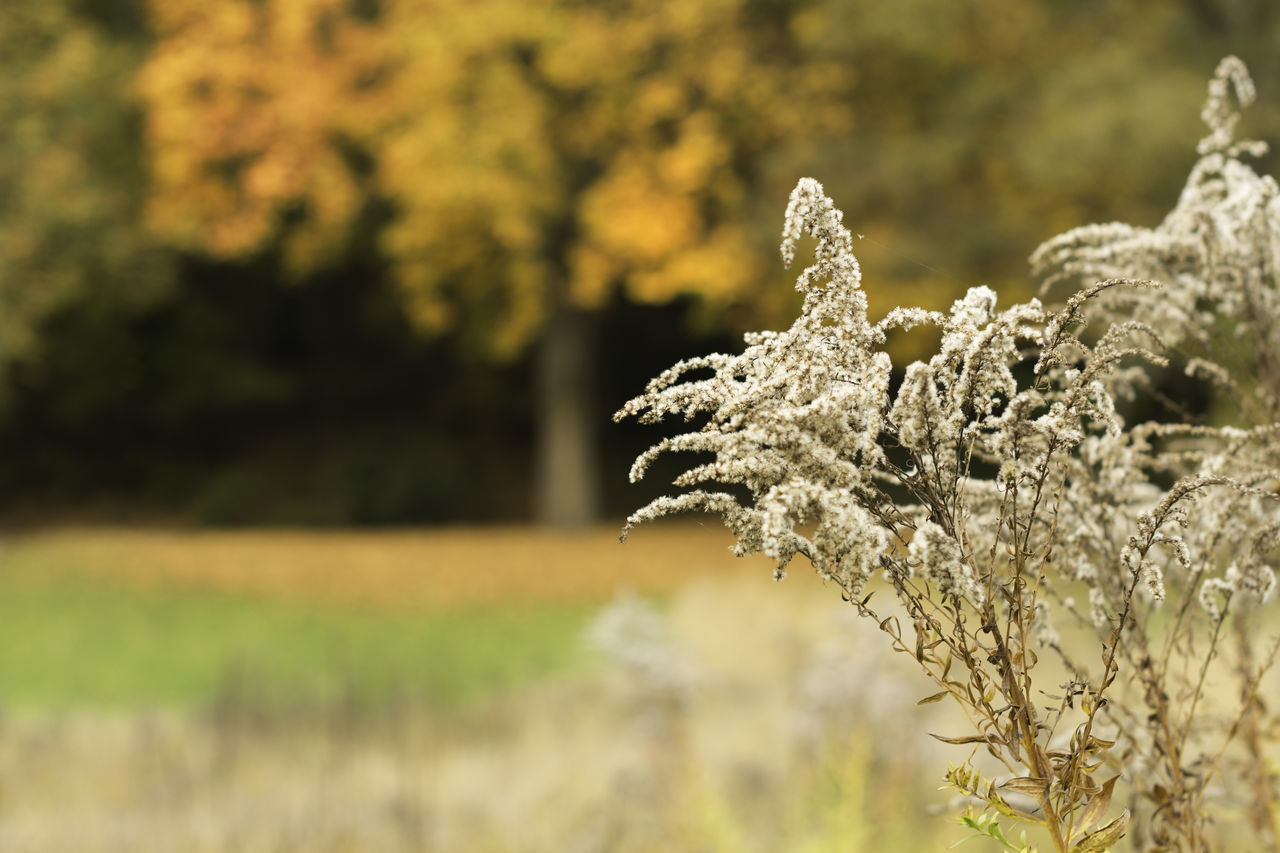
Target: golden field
430, 569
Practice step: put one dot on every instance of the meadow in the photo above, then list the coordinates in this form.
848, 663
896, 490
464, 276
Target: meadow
116, 618
442, 690
485, 689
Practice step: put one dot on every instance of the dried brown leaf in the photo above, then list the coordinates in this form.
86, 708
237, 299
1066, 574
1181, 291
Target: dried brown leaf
1097, 806
963, 739
1030, 786
1102, 840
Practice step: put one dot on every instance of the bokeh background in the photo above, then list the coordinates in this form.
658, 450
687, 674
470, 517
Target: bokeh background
313, 314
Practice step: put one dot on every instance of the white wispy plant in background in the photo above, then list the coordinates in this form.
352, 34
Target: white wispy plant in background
992, 485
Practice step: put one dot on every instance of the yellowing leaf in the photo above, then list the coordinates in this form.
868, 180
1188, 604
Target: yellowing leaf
1102, 840
1031, 786
1097, 806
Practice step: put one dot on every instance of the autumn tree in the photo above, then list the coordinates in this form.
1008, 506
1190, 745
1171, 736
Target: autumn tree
542, 158
255, 118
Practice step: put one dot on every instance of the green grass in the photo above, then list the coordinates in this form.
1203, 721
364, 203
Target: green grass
73, 642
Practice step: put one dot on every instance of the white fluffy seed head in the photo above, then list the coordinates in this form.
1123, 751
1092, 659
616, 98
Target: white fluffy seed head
813, 450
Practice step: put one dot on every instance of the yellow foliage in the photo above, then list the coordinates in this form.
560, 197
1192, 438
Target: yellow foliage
533, 150
626, 214
621, 132
249, 107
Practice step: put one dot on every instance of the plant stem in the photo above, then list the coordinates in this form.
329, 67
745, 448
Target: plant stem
1036, 759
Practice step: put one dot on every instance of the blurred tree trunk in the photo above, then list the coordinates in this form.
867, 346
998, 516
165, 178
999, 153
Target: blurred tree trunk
567, 464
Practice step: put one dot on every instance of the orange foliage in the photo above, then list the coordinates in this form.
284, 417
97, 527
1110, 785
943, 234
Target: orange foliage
251, 110
535, 151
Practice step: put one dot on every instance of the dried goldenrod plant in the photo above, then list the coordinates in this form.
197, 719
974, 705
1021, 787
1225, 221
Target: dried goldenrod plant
1000, 497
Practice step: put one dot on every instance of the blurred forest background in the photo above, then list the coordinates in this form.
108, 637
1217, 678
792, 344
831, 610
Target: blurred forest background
336, 262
